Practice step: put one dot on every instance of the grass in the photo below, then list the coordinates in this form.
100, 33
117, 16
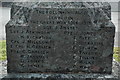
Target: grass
117, 53
3, 51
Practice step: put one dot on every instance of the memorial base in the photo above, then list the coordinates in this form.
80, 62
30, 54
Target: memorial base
54, 76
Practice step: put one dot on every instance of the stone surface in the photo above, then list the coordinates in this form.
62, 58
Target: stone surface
60, 38
55, 76
115, 74
6, 4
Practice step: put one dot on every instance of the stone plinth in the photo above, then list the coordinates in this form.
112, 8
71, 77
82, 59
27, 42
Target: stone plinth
60, 39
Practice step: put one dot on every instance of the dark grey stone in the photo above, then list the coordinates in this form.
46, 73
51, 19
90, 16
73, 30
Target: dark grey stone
54, 37
57, 38
55, 76
7, 4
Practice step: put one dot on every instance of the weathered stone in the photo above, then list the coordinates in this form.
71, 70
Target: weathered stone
55, 76
60, 37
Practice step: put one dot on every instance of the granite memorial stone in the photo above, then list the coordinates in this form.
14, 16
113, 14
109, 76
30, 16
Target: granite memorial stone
60, 37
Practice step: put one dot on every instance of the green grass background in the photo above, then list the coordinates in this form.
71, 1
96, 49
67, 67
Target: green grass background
3, 51
117, 53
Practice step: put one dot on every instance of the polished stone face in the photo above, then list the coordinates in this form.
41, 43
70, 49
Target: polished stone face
60, 40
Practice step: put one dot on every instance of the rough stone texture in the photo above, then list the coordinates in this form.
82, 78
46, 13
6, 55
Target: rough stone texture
60, 38
6, 4
115, 75
55, 76
116, 69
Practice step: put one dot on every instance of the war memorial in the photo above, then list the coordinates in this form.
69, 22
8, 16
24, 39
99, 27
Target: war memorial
60, 41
